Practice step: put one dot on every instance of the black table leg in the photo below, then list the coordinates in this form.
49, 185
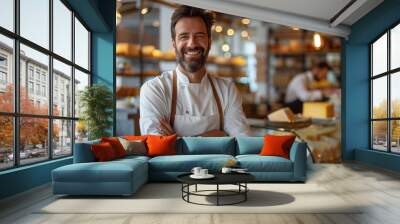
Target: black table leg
188, 190
182, 190
217, 194
245, 193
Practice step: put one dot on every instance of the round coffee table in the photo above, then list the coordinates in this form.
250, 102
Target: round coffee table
238, 179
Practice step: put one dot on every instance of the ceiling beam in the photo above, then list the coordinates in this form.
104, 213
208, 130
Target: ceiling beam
346, 12
269, 15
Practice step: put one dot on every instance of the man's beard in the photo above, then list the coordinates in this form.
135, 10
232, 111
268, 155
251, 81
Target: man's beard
191, 65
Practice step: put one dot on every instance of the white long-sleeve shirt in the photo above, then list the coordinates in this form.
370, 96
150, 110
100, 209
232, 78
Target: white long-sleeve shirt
194, 100
297, 89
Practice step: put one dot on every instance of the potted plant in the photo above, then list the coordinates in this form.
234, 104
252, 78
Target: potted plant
96, 103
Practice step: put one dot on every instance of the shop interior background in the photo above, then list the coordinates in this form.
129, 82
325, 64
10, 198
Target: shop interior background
260, 57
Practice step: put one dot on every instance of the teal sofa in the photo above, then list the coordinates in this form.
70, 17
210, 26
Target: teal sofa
125, 176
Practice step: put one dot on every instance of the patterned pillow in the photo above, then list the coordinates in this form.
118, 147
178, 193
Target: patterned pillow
103, 152
136, 147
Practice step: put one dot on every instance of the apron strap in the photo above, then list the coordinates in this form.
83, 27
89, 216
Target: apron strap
173, 100
174, 96
219, 106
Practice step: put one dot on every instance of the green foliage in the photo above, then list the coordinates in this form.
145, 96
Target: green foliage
380, 127
96, 102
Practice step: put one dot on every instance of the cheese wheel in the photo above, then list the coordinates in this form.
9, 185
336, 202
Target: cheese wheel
282, 115
318, 110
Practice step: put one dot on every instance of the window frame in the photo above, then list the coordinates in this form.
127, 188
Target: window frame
16, 114
3, 74
388, 74
3, 71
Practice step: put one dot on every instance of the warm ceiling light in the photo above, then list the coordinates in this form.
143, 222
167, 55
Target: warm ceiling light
244, 34
230, 32
218, 28
118, 18
156, 23
246, 21
144, 11
225, 47
295, 28
317, 40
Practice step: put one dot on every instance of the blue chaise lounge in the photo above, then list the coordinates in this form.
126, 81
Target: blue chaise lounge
125, 176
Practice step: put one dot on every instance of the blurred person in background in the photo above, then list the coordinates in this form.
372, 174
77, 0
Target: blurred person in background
313, 85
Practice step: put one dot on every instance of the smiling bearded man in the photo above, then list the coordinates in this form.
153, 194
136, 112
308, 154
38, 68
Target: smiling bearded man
191, 63
187, 101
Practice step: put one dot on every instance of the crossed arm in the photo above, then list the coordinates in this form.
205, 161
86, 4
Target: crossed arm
154, 113
166, 128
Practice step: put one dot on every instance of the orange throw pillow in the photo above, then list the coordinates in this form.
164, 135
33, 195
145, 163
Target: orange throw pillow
103, 152
277, 145
135, 138
161, 145
116, 145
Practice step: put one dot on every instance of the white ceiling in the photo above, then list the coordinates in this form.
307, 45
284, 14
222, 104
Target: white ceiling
320, 9
315, 15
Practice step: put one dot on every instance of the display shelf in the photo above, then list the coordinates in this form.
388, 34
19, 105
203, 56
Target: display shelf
157, 73
138, 74
146, 58
212, 60
151, 54
302, 52
292, 52
153, 73
123, 92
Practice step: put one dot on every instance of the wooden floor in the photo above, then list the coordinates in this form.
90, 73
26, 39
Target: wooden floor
378, 189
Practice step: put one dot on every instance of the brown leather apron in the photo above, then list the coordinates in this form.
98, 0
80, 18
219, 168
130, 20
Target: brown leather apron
174, 97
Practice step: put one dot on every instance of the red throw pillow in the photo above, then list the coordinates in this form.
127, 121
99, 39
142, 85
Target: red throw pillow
161, 145
103, 152
135, 137
277, 145
116, 145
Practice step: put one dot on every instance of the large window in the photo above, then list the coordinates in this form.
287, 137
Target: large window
44, 64
385, 91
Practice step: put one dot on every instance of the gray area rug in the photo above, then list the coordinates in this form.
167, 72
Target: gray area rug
166, 198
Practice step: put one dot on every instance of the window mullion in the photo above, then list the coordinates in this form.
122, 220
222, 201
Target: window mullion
16, 84
50, 81
371, 89
73, 82
389, 113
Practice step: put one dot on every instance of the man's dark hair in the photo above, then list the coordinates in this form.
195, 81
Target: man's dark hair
322, 65
188, 11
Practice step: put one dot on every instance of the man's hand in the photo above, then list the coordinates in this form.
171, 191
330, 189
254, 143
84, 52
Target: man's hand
165, 128
213, 133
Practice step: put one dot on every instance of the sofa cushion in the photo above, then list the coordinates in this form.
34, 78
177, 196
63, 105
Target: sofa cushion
185, 163
131, 158
161, 145
135, 137
83, 152
135, 147
103, 152
249, 145
206, 145
111, 171
277, 145
257, 163
116, 145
